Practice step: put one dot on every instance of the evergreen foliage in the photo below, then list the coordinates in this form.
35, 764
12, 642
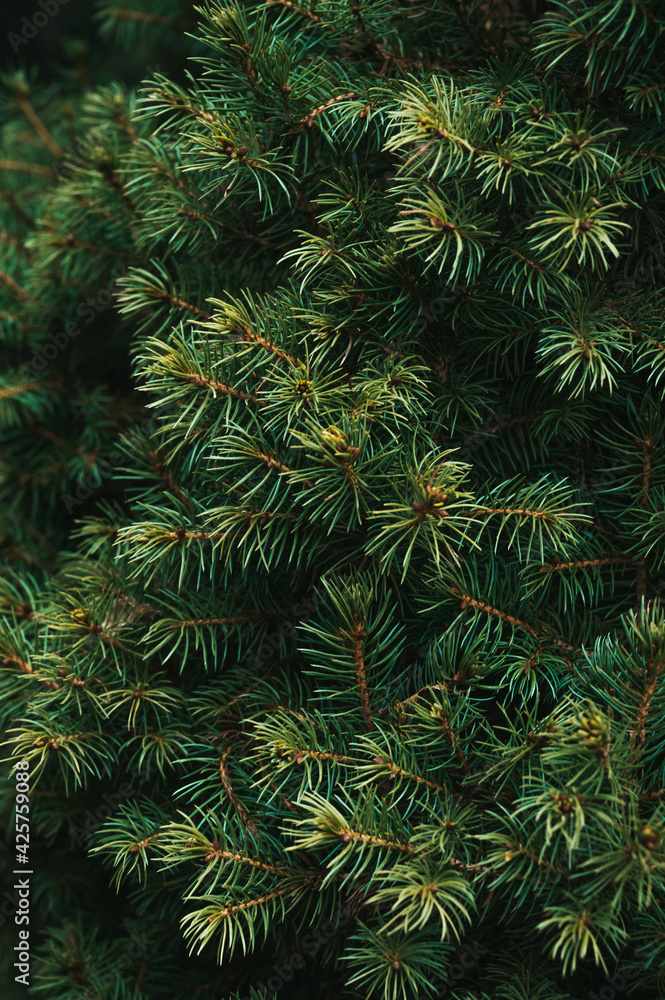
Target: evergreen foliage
369, 656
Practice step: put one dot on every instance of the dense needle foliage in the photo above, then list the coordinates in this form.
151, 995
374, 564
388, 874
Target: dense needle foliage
360, 657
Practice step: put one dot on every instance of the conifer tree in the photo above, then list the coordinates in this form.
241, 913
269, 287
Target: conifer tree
368, 659
66, 237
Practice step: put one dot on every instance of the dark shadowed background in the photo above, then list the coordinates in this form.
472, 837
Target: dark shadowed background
57, 39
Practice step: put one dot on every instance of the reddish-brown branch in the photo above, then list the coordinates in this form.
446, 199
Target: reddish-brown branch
454, 742
466, 601
582, 563
356, 637
27, 168
39, 127
639, 733
228, 390
240, 809
239, 907
14, 288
